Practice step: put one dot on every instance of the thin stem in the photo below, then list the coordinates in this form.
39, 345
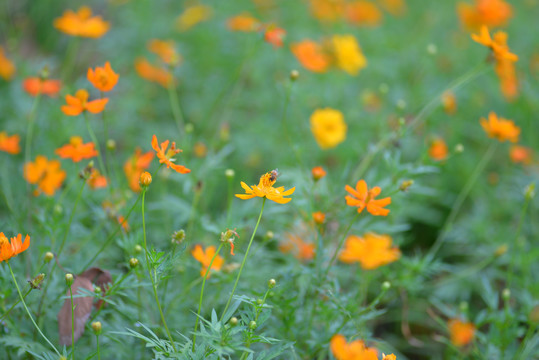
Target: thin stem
251, 331
154, 286
341, 242
13, 306
98, 353
72, 324
175, 105
202, 293
230, 193
62, 244
94, 139
28, 311
460, 200
513, 252
244, 259
70, 59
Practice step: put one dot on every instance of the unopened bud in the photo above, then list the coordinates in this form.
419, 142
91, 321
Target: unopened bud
272, 283
145, 179
44, 74
294, 75
138, 249
178, 236
386, 285
111, 144
58, 209
69, 279
230, 173
500, 250
233, 321
406, 184
318, 173
270, 234
96, 326
133, 263
463, 306
506, 294
48, 257
35, 283
459, 148
97, 290
259, 301
252, 325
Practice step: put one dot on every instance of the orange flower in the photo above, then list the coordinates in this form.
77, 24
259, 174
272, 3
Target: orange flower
7, 68
274, 35
205, 256
389, 357
123, 222
311, 56
518, 154
46, 174
318, 173
243, 22
363, 197
371, 251
79, 103
135, 166
96, 180
103, 78
492, 13
319, 217
462, 333
363, 13
449, 102
9, 144
498, 44
300, 249
501, 129
82, 23
265, 189
327, 10
153, 73
76, 150
438, 149
165, 50
166, 156
200, 149
355, 350
37, 86
9, 250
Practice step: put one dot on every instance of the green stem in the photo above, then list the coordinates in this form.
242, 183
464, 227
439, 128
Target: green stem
513, 252
98, 353
70, 58
341, 242
175, 105
13, 306
244, 259
229, 199
251, 331
72, 325
202, 293
28, 311
94, 139
154, 286
460, 200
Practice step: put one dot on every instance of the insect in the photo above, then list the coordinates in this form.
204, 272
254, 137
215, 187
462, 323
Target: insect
274, 174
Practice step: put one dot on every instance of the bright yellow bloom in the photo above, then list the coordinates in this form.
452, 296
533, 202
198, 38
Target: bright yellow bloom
328, 127
192, 16
371, 251
265, 189
501, 129
348, 54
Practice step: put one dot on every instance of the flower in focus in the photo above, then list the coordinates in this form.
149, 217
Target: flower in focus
362, 197
81, 23
300, 249
135, 166
500, 128
79, 103
327, 10
36, 86
328, 127
7, 68
96, 180
46, 174
9, 144
491, 13
363, 13
166, 51
274, 35
311, 56
192, 16
205, 256
517, 153
371, 251
355, 350
243, 22
76, 150
318, 173
103, 78
348, 54
438, 149
167, 156
17, 246
265, 189
153, 73
462, 333
449, 102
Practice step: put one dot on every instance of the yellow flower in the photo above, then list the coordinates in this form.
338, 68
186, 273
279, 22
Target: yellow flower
265, 189
348, 54
192, 16
328, 127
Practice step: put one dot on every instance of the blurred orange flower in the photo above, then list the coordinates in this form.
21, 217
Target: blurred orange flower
37, 86
7, 68
328, 127
46, 174
79, 103
438, 149
389, 357
81, 23
135, 166
319, 217
153, 73
371, 251
243, 22
318, 173
9, 250
165, 50
500, 128
192, 16
311, 56
327, 10
76, 150
363, 13
462, 333
498, 44
205, 256
123, 222
167, 156
103, 78
274, 35
300, 249
9, 144
265, 189
363, 197
492, 13
449, 102
355, 350
517, 153
348, 55
96, 180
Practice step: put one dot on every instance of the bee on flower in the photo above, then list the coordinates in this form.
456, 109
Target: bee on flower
265, 189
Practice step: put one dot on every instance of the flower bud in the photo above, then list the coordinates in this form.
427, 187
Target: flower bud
178, 236
406, 184
111, 144
252, 325
96, 326
319, 217
500, 250
463, 306
270, 235
133, 263
97, 290
230, 173
233, 321
260, 301
271, 283
294, 75
58, 209
386, 285
138, 249
145, 179
506, 294
48, 257
318, 173
459, 148
69, 279
35, 283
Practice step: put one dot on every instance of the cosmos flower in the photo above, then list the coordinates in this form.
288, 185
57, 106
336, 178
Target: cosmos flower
192, 16
166, 51
370, 251
47, 174
462, 333
265, 189
318, 173
354, 350
9, 250
81, 23
348, 54
167, 156
517, 153
274, 35
311, 56
491, 13
328, 127
363, 198
500, 128
301, 249
103, 78
205, 256
79, 103
135, 166
438, 149
76, 150
243, 22
363, 13
153, 73
36, 86
9, 144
